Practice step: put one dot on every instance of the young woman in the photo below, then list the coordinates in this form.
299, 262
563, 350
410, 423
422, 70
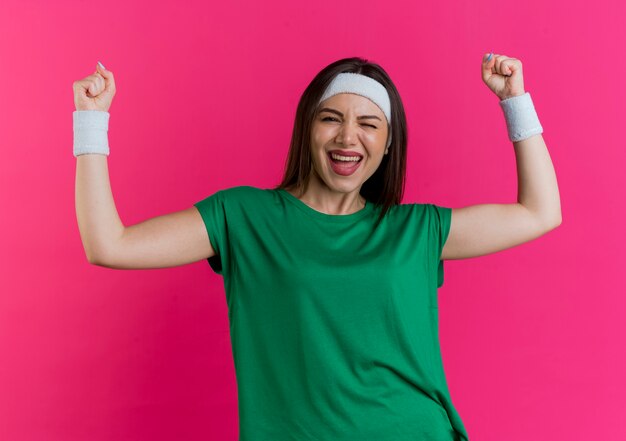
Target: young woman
331, 281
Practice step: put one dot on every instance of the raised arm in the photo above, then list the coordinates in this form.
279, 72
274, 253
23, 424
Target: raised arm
486, 228
163, 241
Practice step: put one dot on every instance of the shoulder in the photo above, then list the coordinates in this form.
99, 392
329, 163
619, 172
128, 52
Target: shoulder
242, 193
232, 196
423, 209
409, 210
426, 215
246, 197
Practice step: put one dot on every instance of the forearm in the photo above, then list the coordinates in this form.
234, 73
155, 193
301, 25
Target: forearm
98, 221
537, 188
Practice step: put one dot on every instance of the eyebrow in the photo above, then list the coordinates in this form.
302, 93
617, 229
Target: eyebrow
337, 112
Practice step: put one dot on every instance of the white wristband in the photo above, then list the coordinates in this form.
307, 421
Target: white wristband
90, 132
521, 118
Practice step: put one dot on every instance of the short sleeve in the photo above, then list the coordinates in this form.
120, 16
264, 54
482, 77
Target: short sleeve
213, 212
439, 220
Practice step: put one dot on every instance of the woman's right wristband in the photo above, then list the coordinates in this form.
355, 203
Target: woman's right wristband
90, 132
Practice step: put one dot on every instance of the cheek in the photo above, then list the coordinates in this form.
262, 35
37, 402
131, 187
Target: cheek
373, 136
321, 134
315, 136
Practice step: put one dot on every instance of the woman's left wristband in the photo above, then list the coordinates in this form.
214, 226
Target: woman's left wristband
521, 117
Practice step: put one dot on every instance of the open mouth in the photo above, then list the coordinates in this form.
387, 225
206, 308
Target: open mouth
344, 160
344, 166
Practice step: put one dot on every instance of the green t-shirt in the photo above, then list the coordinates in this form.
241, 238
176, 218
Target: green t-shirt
333, 324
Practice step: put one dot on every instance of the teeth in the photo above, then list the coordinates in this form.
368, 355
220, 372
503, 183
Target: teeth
345, 158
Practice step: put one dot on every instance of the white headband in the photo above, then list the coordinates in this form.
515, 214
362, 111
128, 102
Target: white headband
348, 82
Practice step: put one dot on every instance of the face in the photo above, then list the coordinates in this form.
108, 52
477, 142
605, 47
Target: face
352, 123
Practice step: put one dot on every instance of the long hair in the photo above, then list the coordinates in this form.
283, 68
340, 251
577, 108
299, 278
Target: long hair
385, 187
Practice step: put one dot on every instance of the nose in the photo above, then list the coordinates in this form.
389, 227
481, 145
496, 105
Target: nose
347, 134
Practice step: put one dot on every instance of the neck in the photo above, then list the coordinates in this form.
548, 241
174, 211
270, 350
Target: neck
320, 197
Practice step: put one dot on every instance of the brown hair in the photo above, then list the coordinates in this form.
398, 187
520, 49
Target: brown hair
385, 187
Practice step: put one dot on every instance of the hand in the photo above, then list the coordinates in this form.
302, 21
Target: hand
503, 75
96, 91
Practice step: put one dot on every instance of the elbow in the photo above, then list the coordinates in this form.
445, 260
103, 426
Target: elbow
90, 254
553, 223
546, 220
95, 258
94, 261
99, 253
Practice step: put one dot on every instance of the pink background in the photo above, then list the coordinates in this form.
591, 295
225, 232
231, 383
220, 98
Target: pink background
532, 337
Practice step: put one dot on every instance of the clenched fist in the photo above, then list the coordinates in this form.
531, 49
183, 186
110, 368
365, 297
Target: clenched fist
96, 91
503, 75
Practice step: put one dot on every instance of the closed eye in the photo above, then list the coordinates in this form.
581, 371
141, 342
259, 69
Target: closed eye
335, 119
